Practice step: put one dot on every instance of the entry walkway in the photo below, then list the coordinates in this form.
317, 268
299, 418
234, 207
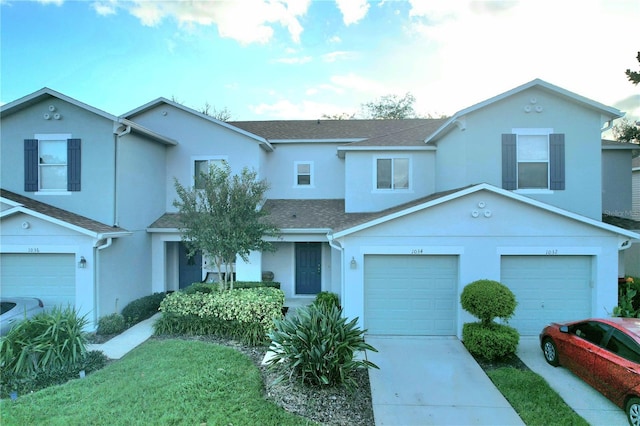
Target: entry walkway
433, 381
121, 344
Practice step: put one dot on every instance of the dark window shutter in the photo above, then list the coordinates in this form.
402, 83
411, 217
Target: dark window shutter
74, 160
509, 162
556, 161
31, 165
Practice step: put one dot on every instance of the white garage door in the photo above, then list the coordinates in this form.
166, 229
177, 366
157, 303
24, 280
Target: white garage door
410, 295
50, 277
547, 288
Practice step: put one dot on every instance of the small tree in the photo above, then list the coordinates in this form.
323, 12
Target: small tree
633, 76
391, 107
487, 299
223, 218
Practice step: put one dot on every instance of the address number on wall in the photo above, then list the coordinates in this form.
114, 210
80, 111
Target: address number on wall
33, 250
551, 252
416, 251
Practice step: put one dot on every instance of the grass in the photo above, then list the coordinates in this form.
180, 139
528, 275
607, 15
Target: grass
533, 399
161, 382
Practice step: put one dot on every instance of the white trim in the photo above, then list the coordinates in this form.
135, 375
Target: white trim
296, 174
552, 250
39, 249
334, 140
486, 187
393, 190
209, 159
413, 250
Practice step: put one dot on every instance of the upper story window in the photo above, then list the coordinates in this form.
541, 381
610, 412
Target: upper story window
392, 173
201, 165
533, 160
52, 163
303, 173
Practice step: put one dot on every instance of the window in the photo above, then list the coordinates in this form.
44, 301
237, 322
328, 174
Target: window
591, 331
533, 159
303, 173
624, 346
202, 165
392, 173
52, 163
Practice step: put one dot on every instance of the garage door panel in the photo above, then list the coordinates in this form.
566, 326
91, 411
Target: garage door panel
410, 295
48, 276
547, 288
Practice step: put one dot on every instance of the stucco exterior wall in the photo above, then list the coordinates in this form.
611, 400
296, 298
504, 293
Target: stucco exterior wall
616, 188
360, 180
512, 228
96, 199
328, 174
463, 155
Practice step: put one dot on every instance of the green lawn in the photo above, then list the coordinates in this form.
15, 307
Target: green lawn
160, 382
533, 399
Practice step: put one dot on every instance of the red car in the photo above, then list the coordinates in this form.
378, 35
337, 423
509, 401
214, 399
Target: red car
604, 353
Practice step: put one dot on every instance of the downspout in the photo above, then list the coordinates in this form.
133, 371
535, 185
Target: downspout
609, 125
96, 277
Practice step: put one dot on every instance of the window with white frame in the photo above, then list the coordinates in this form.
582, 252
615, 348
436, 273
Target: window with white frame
52, 164
303, 173
392, 173
201, 166
533, 159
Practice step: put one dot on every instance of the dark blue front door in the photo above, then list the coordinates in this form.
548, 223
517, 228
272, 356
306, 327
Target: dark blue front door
189, 269
308, 267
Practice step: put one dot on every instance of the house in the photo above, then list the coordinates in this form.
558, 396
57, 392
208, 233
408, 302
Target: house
396, 216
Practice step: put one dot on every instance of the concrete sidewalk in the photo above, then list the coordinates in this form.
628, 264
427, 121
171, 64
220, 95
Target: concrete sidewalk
121, 344
433, 381
590, 404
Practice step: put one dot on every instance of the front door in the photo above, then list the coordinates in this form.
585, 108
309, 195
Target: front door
308, 268
189, 269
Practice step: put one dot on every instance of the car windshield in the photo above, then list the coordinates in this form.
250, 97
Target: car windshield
6, 307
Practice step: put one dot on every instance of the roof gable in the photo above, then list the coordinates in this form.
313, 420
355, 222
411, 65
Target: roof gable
456, 120
20, 204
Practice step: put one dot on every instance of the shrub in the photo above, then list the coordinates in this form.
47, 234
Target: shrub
10, 382
327, 300
246, 314
200, 288
487, 299
48, 341
111, 324
628, 298
491, 341
143, 308
212, 287
318, 346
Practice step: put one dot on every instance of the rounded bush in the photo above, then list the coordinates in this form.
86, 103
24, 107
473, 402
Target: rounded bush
490, 342
487, 299
327, 300
143, 308
111, 324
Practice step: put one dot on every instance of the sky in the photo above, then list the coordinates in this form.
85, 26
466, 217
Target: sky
302, 59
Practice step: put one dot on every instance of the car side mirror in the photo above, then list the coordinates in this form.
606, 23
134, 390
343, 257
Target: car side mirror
564, 329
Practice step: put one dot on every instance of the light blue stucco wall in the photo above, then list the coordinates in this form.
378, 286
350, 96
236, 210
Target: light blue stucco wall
512, 228
474, 155
328, 171
96, 199
198, 137
361, 194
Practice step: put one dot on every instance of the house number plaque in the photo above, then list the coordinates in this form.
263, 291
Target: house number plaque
416, 251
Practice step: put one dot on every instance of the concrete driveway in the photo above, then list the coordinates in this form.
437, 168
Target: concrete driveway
590, 404
432, 381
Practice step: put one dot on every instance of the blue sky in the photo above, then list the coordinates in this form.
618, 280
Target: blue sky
300, 59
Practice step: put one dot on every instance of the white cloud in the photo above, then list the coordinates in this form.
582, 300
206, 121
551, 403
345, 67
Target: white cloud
247, 21
358, 83
353, 10
54, 2
337, 55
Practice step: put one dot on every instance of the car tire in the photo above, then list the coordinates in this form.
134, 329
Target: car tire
633, 411
550, 352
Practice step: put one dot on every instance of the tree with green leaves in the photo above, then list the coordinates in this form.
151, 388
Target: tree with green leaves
390, 107
223, 219
634, 76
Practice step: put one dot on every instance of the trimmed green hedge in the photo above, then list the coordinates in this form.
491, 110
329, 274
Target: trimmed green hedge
142, 308
244, 314
491, 341
211, 287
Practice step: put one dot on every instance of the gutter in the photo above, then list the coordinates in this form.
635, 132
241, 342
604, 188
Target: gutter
96, 278
336, 245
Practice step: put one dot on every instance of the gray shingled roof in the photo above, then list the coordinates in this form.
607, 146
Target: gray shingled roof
621, 222
324, 215
60, 214
335, 129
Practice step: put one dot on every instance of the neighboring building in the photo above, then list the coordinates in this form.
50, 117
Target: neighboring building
396, 216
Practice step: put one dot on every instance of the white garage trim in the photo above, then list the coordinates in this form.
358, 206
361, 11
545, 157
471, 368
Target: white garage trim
48, 276
410, 294
548, 289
